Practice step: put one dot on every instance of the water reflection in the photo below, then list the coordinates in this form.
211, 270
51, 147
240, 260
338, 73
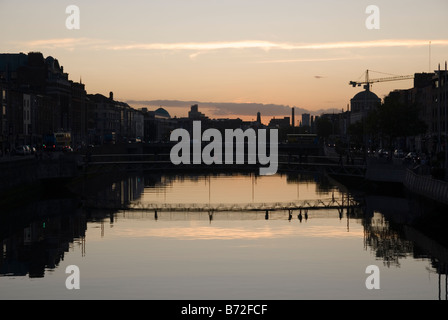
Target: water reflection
36, 238
387, 243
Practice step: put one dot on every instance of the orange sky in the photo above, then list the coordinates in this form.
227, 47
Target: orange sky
284, 52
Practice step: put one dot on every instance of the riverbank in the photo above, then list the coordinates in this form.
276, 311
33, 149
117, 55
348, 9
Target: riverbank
35, 174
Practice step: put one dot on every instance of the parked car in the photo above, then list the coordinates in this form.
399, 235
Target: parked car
411, 156
398, 153
27, 149
32, 149
382, 153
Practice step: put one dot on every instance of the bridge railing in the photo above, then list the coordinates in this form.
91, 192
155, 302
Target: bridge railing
314, 204
289, 162
282, 158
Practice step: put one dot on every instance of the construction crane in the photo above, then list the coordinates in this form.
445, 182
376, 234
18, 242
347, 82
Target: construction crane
368, 82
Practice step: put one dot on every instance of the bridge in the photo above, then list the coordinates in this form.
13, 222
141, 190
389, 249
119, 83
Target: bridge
298, 205
286, 162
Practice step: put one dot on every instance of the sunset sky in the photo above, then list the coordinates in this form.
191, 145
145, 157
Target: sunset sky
286, 52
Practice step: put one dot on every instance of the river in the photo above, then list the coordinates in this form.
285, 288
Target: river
326, 253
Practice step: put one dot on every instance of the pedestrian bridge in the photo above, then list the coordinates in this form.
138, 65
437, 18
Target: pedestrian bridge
305, 205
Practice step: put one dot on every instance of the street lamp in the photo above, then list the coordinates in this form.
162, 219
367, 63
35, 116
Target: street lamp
445, 127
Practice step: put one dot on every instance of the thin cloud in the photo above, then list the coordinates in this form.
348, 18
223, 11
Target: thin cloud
198, 46
66, 43
70, 43
225, 108
267, 45
368, 44
307, 60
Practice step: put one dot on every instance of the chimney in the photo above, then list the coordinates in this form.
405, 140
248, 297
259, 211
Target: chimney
292, 117
111, 95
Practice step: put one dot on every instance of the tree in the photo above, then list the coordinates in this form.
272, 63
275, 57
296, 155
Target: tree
396, 119
392, 119
356, 132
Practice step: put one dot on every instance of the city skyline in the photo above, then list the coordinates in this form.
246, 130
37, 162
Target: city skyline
286, 53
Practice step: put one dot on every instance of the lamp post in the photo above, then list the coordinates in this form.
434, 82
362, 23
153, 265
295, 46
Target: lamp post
439, 106
445, 127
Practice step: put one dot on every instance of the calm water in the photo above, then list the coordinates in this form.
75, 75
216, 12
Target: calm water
138, 254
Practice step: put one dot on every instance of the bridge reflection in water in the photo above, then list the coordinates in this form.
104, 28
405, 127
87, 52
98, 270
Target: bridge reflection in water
301, 208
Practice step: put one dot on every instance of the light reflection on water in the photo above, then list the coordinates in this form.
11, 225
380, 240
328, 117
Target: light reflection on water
234, 189
219, 255
250, 225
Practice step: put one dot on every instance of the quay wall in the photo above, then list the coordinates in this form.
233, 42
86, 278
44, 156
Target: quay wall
383, 170
31, 170
17, 171
426, 186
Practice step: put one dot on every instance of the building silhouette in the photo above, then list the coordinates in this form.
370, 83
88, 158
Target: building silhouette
37, 98
280, 122
429, 93
195, 114
306, 120
362, 103
158, 125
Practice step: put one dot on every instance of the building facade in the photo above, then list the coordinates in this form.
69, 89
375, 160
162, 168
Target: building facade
38, 98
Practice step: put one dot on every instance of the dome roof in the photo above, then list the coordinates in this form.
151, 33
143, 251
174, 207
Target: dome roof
366, 94
162, 112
